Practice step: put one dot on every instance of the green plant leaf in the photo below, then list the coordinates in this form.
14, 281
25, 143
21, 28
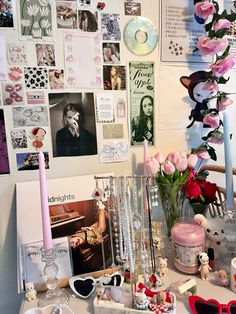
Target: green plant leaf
211, 152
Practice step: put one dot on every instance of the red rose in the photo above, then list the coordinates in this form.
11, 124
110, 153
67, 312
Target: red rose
209, 191
193, 189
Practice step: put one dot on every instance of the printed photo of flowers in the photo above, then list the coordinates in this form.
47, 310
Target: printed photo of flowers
35, 18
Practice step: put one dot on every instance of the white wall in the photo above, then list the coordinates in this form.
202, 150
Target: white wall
173, 107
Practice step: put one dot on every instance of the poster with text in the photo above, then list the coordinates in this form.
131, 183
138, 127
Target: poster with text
141, 77
74, 213
180, 32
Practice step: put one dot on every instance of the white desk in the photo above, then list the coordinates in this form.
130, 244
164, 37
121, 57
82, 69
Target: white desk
205, 289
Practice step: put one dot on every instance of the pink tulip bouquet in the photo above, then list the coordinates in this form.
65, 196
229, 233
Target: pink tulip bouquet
214, 43
171, 174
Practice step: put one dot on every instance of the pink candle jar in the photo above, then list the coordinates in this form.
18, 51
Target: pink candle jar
188, 240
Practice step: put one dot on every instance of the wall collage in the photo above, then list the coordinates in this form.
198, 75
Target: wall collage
35, 92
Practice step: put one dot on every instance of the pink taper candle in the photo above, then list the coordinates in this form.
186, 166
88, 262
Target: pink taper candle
46, 226
145, 155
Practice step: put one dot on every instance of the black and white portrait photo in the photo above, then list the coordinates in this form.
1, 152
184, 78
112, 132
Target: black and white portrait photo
73, 125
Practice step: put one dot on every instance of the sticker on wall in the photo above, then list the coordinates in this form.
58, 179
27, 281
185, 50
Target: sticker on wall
35, 19
66, 15
114, 77
110, 26
36, 77
7, 14
35, 97
111, 53
18, 138
105, 108
16, 54
4, 162
15, 73
56, 78
30, 116
29, 161
132, 8
101, 6
113, 151
45, 54
37, 137
12, 94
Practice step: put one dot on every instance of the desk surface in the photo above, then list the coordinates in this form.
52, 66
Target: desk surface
205, 289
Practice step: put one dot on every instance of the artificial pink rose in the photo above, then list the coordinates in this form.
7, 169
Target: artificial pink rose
208, 46
192, 161
152, 166
221, 66
223, 102
203, 154
160, 158
181, 163
221, 24
211, 85
173, 156
212, 119
204, 9
168, 167
217, 137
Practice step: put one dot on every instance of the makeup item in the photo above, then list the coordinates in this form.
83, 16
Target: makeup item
188, 241
211, 256
233, 275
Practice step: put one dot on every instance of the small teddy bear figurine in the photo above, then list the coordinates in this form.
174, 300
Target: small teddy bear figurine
162, 266
204, 267
222, 278
30, 291
140, 300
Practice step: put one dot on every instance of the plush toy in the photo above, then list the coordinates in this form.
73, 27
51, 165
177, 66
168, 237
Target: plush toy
162, 266
204, 267
140, 300
159, 298
215, 233
200, 91
30, 291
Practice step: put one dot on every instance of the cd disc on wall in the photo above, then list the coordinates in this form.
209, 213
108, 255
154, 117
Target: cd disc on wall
140, 36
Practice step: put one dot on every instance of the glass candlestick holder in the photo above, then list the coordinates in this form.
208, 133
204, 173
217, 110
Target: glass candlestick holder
230, 235
54, 295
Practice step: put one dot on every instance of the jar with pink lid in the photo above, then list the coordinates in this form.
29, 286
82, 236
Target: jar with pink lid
188, 241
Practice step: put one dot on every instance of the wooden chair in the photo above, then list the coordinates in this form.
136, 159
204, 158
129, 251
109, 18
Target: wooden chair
217, 209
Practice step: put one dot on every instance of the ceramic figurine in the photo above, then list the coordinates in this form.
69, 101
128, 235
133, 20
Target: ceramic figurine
162, 266
140, 300
101, 291
31, 293
204, 267
222, 278
159, 298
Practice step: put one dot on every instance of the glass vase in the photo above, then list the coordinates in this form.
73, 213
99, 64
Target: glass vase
54, 294
171, 198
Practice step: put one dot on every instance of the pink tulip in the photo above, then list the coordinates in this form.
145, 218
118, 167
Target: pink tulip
208, 46
203, 154
152, 166
160, 158
221, 66
217, 137
192, 161
223, 102
204, 9
212, 86
181, 163
212, 119
173, 156
168, 167
221, 24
